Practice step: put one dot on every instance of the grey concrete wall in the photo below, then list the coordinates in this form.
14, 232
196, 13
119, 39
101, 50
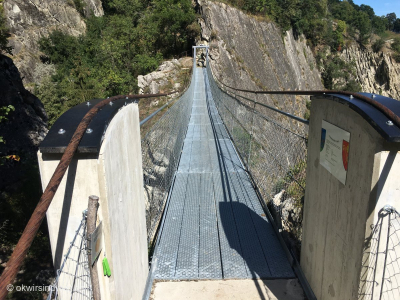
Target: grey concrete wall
65, 212
116, 176
121, 160
337, 217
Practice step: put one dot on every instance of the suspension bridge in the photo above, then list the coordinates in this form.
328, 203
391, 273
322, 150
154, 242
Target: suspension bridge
209, 166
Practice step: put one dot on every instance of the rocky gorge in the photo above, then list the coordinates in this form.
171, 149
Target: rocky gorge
248, 52
377, 73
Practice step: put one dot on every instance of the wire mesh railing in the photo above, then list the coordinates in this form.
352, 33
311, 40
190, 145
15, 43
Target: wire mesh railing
73, 278
274, 151
380, 274
161, 149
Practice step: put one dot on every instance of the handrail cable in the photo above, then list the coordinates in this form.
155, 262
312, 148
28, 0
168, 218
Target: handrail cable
379, 106
29, 233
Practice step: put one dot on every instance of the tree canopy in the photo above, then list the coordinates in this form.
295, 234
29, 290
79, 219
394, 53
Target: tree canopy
132, 38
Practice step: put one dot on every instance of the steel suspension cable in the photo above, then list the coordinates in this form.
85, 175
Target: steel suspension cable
379, 106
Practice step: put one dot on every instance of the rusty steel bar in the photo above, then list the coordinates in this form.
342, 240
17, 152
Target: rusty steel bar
25, 241
379, 106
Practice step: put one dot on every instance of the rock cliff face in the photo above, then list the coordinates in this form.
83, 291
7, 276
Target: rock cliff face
252, 54
25, 128
167, 77
29, 20
377, 73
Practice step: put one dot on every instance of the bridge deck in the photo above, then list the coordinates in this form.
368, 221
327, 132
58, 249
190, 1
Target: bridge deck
215, 227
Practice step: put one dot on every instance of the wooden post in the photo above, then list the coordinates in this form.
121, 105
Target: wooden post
93, 206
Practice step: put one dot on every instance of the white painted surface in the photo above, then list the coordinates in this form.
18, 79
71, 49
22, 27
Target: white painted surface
116, 176
122, 159
65, 212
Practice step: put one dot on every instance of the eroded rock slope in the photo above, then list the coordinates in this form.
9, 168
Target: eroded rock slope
252, 54
29, 20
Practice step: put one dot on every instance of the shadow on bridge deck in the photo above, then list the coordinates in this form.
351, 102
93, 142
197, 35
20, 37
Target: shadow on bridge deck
214, 225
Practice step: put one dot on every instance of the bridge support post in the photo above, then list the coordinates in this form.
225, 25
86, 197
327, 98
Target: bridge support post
115, 174
352, 173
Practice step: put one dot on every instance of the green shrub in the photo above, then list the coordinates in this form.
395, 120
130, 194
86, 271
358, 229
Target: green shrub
377, 46
80, 6
213, 35
131, 39
396, 45
396, 57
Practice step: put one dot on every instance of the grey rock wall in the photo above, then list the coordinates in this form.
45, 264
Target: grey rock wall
377, 73
26, 126
165, 78
29, 20
252, 54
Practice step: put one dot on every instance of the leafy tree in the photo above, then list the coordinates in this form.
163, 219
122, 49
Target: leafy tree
391, 19
132, 8
368, 10
340, 30
363, 24
132, 38
171, 18
343, 11
396, 25
379, 24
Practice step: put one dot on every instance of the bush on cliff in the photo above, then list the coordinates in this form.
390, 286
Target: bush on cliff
131, 39
4, 32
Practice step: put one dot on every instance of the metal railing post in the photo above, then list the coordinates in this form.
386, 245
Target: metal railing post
93, 206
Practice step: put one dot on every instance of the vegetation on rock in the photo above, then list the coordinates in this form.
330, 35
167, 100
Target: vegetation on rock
329, 26
4, 32
132, 38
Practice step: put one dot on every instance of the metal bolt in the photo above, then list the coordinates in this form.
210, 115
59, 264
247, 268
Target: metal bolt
126, 98
373, 96
89, 130
111, 104
88, 103
351, 97
390, 123
61, 131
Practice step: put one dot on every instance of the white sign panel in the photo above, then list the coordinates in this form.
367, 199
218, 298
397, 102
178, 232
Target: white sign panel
96, 242
334, 151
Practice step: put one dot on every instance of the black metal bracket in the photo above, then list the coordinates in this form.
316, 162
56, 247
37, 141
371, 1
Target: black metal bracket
63, 129
373, 116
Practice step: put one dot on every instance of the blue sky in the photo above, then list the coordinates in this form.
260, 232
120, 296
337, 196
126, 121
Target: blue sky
382, 7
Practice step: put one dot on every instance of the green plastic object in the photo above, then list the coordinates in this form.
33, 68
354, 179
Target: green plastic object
106, 267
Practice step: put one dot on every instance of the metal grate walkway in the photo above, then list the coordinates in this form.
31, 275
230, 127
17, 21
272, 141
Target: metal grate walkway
215, 227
